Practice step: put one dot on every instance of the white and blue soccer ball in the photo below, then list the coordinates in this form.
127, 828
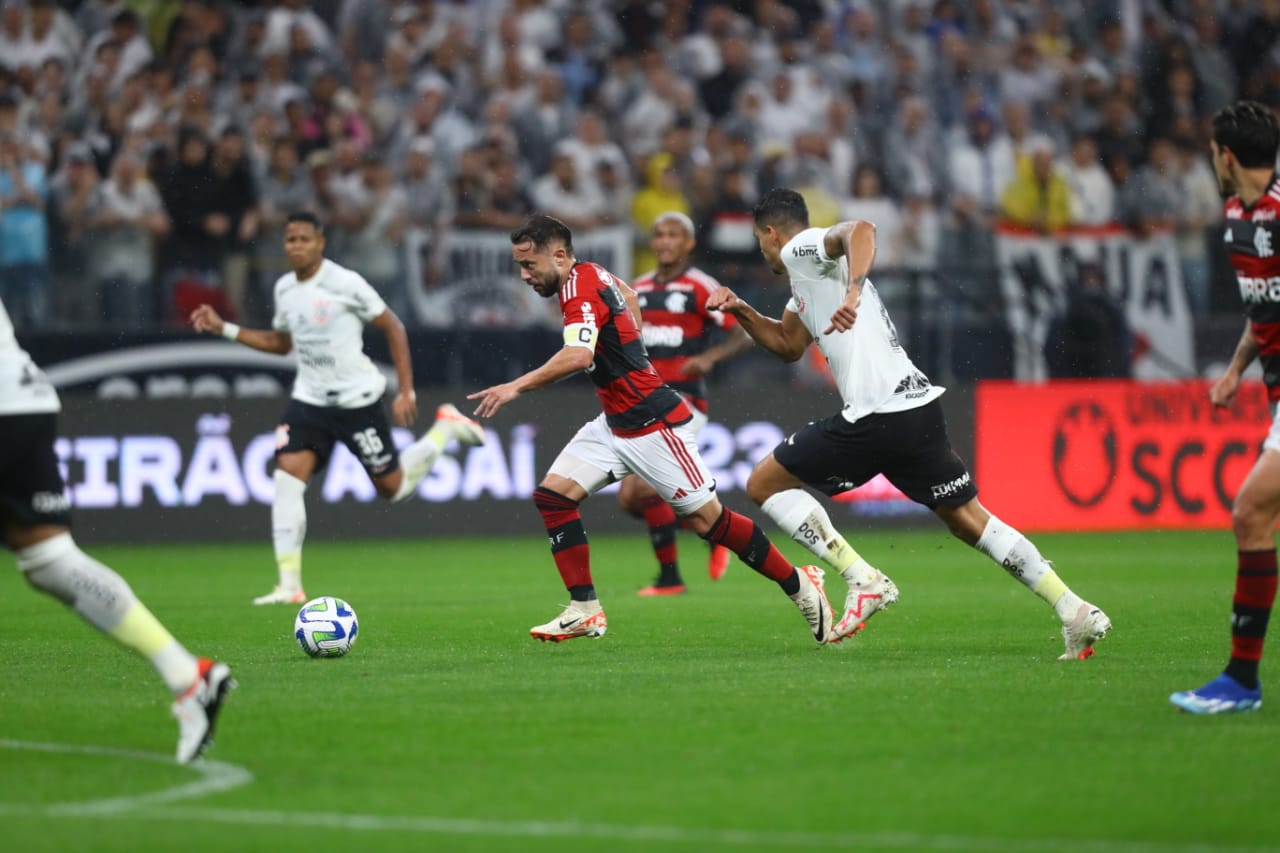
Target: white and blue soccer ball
326, 627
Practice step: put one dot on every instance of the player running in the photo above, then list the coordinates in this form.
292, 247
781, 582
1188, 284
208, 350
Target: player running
676, 329
646, 428
320, 311
1244, 145
891, 422
36, 524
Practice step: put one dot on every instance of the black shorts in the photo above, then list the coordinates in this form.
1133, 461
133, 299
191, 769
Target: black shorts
31, 487
910, 448
365, 431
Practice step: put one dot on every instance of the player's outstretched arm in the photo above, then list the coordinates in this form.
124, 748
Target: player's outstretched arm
405, 406
568, 361
205, 319
786, 338
737, 343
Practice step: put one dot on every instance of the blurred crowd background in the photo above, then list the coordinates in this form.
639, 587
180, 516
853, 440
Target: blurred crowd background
150, 150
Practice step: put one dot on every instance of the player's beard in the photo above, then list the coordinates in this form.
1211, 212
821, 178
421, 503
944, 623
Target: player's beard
547, 288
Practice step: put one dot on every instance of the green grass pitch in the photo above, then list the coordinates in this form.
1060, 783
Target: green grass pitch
704, 722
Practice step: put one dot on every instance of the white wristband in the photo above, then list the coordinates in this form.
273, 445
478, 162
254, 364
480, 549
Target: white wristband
230, 331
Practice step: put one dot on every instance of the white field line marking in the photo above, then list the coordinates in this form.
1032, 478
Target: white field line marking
220, 776
653, 834
215, 776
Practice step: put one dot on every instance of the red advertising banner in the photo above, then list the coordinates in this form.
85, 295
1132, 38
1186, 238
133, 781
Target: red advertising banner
1114, 454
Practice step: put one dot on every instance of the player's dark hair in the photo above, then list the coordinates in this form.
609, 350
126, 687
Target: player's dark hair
307, 217
542, 231
781, 207
1249, 129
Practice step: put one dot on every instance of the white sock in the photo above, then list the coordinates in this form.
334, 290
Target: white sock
289, 528
1021, 559
416, 460
798, 514
102, 598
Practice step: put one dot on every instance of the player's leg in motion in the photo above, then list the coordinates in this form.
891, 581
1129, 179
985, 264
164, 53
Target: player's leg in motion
557, 500
52, 563
416, 459
640, 500
669, 460
289, 526
800, 516
1254, 515
1083, 624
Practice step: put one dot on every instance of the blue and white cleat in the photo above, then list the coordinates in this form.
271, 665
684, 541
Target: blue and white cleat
1223, 695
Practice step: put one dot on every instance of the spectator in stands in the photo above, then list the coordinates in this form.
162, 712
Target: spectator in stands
24, 239
1199, 212
1038, 196
914, 154
1091, 191
71, 194
1150, 201
562, 193
284, 187
1091, 338
126, 219
661, 192
377, 230
544, 121
235, 197
980, 170
430, 207
193, 253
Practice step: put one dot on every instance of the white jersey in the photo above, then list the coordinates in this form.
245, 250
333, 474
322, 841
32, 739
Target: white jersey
326, 315
872, 371
24, 389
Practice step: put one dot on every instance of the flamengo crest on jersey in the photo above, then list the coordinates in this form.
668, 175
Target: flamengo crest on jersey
24, 389
872, 371
1252, 240
634, 398
677, 325
325, 315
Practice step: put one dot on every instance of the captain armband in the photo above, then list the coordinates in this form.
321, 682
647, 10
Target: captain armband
581, 335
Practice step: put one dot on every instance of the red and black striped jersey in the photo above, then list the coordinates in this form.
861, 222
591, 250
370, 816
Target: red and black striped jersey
1252, 238
635, 399
677, 326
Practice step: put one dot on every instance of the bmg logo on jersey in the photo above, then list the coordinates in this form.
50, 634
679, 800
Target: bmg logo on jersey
951, 487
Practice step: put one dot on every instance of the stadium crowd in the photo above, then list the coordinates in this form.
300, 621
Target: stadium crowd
149, 151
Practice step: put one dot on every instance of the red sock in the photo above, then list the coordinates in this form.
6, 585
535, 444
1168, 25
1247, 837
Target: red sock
744, 537
1256, 581
568, 537
662, 522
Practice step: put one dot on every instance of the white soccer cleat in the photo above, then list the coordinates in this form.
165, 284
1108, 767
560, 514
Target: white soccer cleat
280, 595
461, 427
1087, 627
862, 602
197, 709
812, 601
579, 619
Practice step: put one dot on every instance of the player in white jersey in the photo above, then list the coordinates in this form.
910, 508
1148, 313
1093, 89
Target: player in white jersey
891, 423
36, 525
321, 310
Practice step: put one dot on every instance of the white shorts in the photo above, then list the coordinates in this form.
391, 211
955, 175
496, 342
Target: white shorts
667, 459
1272, 441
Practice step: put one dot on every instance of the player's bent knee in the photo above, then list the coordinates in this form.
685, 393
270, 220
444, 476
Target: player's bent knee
58, 567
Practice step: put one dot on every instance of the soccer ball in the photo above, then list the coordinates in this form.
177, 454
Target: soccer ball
326, 627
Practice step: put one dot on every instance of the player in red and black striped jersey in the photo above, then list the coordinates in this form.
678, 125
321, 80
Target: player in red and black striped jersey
678, 331
645, 428
1246, 139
